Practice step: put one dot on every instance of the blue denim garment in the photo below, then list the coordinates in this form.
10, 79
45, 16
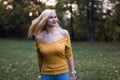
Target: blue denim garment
64, 76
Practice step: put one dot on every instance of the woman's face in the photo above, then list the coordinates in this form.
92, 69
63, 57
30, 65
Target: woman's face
52, 20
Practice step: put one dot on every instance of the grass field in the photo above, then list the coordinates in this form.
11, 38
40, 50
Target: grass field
93, 60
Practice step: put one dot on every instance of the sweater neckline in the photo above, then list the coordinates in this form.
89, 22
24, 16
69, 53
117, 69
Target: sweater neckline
52, 42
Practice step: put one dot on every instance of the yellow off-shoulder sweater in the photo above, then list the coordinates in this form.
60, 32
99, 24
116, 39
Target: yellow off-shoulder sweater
53, 56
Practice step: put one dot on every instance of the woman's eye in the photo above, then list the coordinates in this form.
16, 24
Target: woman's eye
51, 17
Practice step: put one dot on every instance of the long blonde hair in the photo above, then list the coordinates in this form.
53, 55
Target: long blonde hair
39, 24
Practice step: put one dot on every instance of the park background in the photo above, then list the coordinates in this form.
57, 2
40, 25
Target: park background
94, 27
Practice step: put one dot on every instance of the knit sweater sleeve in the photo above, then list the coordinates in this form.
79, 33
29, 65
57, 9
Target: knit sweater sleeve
38, 53
68, 49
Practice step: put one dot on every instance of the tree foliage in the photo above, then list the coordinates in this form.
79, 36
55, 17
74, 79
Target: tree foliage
15, 21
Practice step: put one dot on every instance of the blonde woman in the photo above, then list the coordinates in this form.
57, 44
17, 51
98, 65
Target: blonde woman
53, 47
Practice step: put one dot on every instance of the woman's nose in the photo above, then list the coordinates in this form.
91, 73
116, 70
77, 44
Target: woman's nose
54, 19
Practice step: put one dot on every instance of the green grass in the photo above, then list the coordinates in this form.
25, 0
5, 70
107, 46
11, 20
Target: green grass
93, 60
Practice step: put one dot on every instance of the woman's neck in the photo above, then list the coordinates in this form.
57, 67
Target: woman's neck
51, 29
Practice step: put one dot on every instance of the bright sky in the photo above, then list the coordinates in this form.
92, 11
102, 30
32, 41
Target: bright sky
49, 2
107, 4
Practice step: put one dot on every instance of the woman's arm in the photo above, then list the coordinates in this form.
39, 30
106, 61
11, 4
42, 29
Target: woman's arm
38, 54
69, 56
72, 70
71, 65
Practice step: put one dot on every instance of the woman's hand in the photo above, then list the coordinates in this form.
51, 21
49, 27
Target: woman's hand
73, 77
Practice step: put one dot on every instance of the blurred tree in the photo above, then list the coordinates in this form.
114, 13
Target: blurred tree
105, 26
117, 14
90, 19
62, 7
84, 22
74, 17
15, 19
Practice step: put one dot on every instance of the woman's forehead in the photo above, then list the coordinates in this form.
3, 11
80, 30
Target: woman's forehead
52, 14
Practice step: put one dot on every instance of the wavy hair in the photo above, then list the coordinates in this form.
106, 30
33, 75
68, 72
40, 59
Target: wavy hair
39, 24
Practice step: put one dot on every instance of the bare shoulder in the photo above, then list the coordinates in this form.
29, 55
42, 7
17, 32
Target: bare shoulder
64, 32
39, 37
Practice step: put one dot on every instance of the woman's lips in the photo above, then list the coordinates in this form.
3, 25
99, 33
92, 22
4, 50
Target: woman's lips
53, 22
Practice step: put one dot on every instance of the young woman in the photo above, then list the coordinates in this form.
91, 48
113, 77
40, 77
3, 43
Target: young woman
53, 47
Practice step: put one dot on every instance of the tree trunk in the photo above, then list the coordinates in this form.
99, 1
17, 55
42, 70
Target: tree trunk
71, 24
90, 19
